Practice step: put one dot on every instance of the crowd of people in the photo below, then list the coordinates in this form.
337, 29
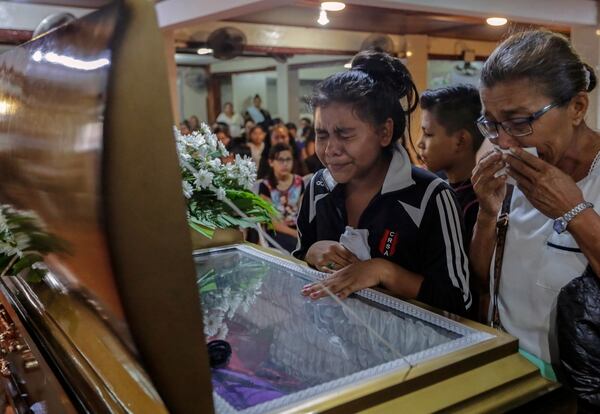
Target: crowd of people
284, 155
511, 239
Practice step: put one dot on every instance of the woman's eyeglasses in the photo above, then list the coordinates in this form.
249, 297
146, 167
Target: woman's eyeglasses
516, 127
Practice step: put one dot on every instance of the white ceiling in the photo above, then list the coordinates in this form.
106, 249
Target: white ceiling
19, 15
178, 13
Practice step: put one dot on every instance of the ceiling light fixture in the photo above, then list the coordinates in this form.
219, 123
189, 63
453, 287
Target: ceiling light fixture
496, 21
204, 51
323, 20
333, 6
348, 65
409, 53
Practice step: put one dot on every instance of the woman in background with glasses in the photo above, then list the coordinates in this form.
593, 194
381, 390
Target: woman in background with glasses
534, 92
284, 189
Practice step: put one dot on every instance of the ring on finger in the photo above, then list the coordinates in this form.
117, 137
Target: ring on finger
330, 265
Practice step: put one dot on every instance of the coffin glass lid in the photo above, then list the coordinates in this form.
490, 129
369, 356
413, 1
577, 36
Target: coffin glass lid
287, 348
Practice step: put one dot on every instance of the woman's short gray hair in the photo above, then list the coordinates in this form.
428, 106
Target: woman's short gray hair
545, 58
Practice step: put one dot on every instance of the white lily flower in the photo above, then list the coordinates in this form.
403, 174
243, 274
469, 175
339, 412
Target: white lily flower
203, 179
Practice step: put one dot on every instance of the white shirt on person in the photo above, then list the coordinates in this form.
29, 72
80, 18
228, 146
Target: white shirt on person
235, 123
537, 263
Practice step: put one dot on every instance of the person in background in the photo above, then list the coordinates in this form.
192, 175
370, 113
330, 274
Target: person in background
184, 128
305, 126
238, 147
534, 92
279, 135
248, 126
233, 120
194, 123
311, 160
450, 140
293, 131
222, 133
449, 143
370, 217
284, 189
256, 143
258, 115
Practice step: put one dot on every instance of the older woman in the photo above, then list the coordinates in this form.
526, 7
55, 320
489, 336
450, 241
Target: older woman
534, 91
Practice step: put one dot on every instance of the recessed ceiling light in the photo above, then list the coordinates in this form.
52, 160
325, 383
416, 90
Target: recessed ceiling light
496, 21
204, 51
348, 65
409, 53
597, 32
333, 5
323, 20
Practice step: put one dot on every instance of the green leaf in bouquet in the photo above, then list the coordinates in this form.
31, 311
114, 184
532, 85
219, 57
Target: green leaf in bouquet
47, 243
247, 200
222, 222
205, 231
204, 221
25, 262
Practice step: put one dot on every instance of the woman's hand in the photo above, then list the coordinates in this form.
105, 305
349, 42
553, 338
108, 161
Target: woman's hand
366, 274
490, 190
342, 283
329, 256
547, 188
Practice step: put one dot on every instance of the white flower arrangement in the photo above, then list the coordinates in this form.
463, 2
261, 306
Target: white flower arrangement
215, 189
24, 242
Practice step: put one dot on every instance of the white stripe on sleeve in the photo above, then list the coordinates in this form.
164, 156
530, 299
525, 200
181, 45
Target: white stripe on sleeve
457, 262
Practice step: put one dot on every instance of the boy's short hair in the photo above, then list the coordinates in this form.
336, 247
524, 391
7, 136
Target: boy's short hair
455, 107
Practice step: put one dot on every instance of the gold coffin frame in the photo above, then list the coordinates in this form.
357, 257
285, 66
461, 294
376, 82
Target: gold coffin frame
146, 225
489, 377
141, 216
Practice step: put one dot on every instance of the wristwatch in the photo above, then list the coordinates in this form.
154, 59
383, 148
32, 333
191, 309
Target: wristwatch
561, 223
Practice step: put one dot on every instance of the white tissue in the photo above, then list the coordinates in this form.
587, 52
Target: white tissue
509, 179
357, 241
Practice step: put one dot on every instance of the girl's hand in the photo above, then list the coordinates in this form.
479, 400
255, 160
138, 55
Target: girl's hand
547, 188
342, 283
490, 190
329, 256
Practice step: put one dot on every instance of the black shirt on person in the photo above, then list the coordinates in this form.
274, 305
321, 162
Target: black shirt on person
465, 194
469, 205
414, 221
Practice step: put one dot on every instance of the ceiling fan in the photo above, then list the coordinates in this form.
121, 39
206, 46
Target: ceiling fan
227, 43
